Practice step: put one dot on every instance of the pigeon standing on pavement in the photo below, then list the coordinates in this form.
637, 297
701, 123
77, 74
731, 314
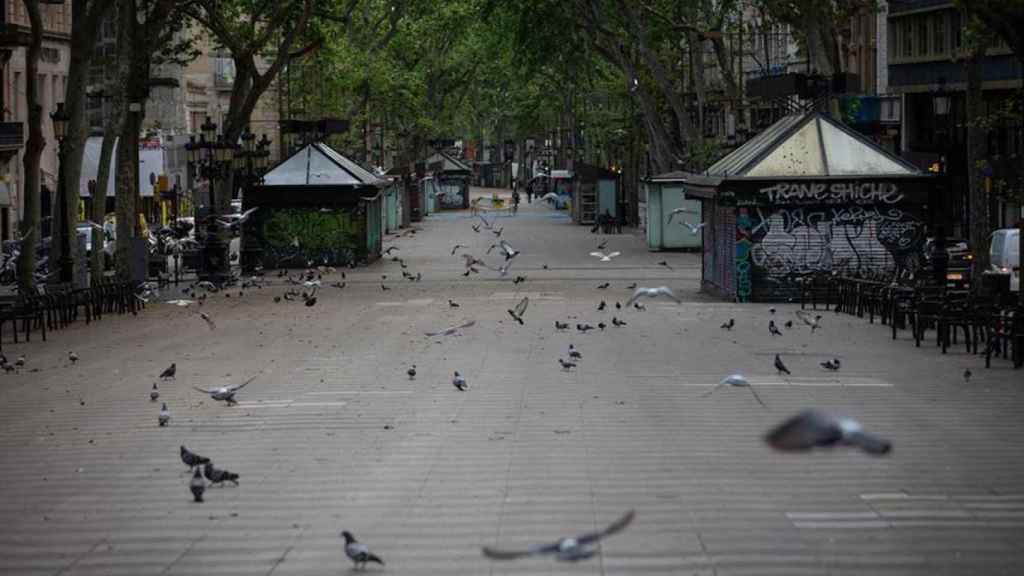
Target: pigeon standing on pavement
452, 303
811, 428
169, 372
561, 325
165, 416
191, 459
566, 365
154, 394
72, 357
729, 325
601, 306
967, 376
604, 286
773, 329
216, 476
411, 372
781, 367
197, 486
571, 549
831, 365
358, 552
574, 353
459, 382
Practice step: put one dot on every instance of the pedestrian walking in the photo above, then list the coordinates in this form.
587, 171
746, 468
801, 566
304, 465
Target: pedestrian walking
529, 192
515, 201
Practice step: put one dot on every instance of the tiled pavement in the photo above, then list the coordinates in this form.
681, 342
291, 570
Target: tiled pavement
332, 435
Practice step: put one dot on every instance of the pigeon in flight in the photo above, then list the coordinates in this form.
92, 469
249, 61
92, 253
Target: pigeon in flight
451, 330
738, 381
652, 293
729, 325
812, 428
476, 228
510, 252
169, 372
520, 309
491, 248
773, 329
605, 257
459, 382
357, 552
561, 325
566, 549
456, 247
164, 417
566, 365
781, 367
154, 394
831, 365
191, 459
411, 372
216, 476
225, 393
680, 211
694, 228
209, 321
486, 224
574, 353
197, 486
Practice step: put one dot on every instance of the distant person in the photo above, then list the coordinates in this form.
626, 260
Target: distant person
515, 201
529, 191
515, 184
939, 257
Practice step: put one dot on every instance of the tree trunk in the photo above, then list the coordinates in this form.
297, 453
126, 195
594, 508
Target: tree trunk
85, 18
33, 155
976, 160
99, 199
133, 74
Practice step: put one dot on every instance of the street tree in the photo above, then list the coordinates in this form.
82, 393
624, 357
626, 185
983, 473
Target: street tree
34, 146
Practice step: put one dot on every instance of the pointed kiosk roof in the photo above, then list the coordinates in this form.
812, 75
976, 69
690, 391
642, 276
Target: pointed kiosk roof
317, 164
441, 162
809, 145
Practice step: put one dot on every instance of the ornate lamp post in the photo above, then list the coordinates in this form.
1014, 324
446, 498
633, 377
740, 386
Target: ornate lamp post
211, 157
60, 127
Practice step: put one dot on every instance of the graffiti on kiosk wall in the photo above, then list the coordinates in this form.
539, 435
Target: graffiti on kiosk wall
792, 241
450, 193
833, 193
743, 254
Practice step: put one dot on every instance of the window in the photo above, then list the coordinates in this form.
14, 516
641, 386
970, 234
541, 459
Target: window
939, 33
907, 40
956, 31
921, 31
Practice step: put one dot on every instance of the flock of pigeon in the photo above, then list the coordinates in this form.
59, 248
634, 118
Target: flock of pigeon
806, 430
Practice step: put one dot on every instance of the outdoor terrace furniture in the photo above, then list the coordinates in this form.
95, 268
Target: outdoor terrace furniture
1005, 336
815, 288
30, 311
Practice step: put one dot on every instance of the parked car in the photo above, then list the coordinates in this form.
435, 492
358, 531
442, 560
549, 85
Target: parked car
961, 260
1004, 255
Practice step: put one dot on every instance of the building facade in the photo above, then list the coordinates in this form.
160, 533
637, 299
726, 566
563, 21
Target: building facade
53, 73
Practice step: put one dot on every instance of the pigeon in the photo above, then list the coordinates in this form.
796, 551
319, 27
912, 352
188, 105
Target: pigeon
967, 376
602, 326
310, 300
164, 417
451, 330
813, 324
389, 249
738, 381
456, 247
729, 325
652, 293
574, 353
665, 264
519, 279
812, 428
617, 322
72, 357
781, 367
602, 245
491, 248
832, 365
154, 394
191, 459
520, 309
277, 299
773, 329
680, 211
459, 382
484, 221
618, 306
357, 552
566, 365
605, 257
788, 325
384, 288
604, 286
197, 486
772, 310
601, 306
694, 228
510, 253
411, 372
566, 549
476, 228
225, 393
169, 372
216, 476
209, 321
631, 286
584, 327
452, 303
497, 232
561, 325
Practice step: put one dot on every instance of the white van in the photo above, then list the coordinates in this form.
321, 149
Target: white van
1004, 254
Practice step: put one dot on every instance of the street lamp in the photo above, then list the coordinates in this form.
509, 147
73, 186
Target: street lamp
60, 129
